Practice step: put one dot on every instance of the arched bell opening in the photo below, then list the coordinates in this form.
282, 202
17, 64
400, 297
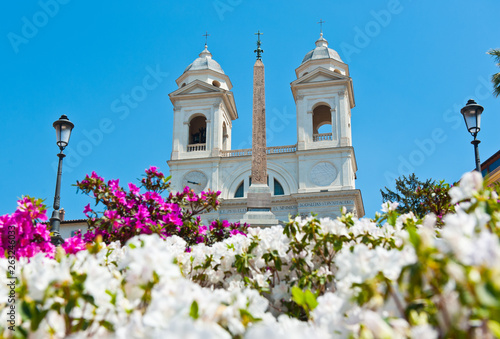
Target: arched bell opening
322, 123
197, 134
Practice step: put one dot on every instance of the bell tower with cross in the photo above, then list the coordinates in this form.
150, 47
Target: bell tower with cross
204, 109
324, 96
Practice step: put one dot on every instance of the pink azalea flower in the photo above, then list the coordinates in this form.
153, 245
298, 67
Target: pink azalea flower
202, 230
192, 197
234, 232
114, 184
111, 214
172, 218
133, 189
152, 170
87, 209
73, 245
142, 212
95, 176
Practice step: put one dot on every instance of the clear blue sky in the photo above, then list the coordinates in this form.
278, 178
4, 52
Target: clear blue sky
412, 70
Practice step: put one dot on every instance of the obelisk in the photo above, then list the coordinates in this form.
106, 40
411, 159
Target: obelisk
259, 194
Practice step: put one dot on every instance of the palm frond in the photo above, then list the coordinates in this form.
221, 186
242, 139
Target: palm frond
495, 53
495, 79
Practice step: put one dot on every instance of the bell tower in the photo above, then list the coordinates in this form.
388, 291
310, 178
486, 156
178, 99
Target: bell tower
324, 97
204, 110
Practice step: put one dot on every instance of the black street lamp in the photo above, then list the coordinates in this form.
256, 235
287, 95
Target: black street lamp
472, 116
63, 131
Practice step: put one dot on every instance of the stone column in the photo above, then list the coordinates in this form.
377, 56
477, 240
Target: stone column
259, 195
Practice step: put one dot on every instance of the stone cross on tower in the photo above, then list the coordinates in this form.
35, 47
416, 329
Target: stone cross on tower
259, 195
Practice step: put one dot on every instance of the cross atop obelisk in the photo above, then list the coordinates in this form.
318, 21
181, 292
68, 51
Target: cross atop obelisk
259, 195
259, 50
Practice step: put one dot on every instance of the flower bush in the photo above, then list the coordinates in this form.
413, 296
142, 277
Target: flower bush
394, 276
24, 234
131, 213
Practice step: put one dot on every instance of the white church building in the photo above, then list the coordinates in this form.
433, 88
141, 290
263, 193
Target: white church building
315, 175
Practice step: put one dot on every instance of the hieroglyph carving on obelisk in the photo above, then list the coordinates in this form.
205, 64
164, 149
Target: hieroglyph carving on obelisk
259, 163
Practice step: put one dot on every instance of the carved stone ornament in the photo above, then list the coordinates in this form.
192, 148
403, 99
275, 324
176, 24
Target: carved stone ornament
323, 173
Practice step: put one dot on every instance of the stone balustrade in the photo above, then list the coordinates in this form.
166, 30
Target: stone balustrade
236, 153
322, 137
248, 151
197, 147
281, 149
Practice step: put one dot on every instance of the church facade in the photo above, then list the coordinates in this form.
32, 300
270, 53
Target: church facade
315, 175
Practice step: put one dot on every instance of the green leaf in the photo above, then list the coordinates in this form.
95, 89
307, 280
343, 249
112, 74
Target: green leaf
193, 312
298, 296
25, 310
35, 321
310, 300
247, 317
494, 327
107, 325
69, 306
485, 296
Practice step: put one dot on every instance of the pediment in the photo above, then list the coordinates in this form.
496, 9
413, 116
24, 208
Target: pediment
196, 87
320, 75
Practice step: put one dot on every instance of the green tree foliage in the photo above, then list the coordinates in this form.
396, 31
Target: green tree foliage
406, 194
495, 78
420, 197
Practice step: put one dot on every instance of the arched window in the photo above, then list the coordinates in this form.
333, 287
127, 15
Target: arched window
278, 189
240, 191
198, 130
322, 123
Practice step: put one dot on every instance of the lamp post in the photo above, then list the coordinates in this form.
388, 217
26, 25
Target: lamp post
472, 116
63, 131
